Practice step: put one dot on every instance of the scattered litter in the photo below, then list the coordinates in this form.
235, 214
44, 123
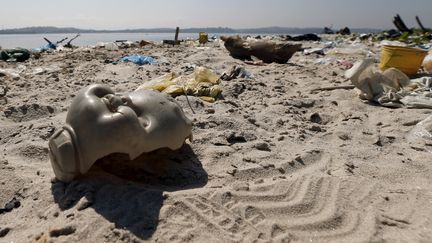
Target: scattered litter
237, 72
319, 51
202, 83
406, 59
391, 43
427, 62
138, 59
305, 37
203, 38
391, 88
131, 123
14, 55
111, 46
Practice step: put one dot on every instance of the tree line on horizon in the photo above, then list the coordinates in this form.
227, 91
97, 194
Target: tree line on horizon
265, 30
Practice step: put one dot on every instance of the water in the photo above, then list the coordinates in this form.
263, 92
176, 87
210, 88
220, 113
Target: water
36, 40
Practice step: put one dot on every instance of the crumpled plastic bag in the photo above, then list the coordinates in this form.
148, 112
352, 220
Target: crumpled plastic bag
139, 59
202, 83
391, 88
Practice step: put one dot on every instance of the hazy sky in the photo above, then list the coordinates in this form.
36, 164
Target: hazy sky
119, 14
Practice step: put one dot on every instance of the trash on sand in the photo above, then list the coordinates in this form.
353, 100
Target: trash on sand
391, 88
266, 50
421, 134
406, 59
203, 37
54, 46
13, 73
111, 46
427, 62
237, 72
305, 37
175, 41
144, 43
319, 51
139, 59
132, 123
14, 55
391, 43
202, 83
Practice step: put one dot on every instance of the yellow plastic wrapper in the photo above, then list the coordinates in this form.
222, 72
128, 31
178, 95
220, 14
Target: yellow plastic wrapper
203, 83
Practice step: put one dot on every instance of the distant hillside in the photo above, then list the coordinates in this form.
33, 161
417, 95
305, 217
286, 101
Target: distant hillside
266, 30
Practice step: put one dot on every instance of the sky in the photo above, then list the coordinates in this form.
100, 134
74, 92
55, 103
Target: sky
121, 14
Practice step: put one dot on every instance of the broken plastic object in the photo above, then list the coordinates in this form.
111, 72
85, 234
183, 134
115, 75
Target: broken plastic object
406, 59
202, 83
203, 37
100, 122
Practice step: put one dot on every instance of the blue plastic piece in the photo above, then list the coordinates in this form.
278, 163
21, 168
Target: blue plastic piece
45, 47
139, 59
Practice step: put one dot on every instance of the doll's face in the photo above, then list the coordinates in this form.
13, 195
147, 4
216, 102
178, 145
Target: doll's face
103, 122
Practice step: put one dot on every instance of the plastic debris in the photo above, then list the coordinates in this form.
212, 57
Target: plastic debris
139, 59
14, 55
391, 88
237, 72
406, 59
131, 123
427, 62
202, 83
319, 51
421, 134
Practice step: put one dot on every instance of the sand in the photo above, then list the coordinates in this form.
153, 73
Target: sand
270, 162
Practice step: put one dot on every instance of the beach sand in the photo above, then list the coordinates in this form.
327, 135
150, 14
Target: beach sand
270, 162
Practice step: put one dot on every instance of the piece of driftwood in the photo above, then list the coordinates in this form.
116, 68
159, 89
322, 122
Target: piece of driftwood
333, 88
328, 30
69, 43
420, 24
265, 50
400, 25
57, 43
175, 41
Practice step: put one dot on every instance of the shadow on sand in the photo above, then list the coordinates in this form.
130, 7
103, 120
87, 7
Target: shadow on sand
130, 193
